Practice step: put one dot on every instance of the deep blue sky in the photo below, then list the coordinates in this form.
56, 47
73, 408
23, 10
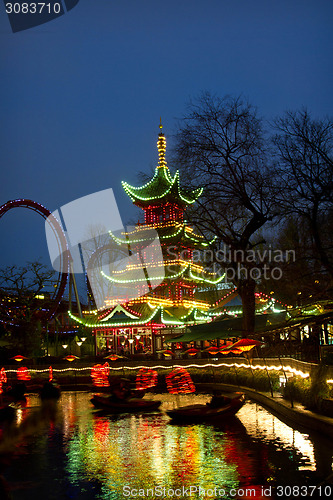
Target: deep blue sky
82, 95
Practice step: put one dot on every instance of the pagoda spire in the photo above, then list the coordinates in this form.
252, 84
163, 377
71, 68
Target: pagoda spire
163, 187
161, 148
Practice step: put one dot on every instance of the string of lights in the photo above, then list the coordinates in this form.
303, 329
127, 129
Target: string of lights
277, 367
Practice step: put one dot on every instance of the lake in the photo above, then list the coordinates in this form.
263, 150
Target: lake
80, 453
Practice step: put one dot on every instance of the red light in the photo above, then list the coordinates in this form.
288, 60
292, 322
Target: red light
71, 358
179, 382
100, 375
23, 373
19, 357
146, 378
3, 376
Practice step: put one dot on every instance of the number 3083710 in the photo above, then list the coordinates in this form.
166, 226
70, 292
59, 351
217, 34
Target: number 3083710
33, 8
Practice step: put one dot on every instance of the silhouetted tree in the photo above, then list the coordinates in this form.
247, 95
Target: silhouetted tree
303, 279
221, 146
21, 289
305, 155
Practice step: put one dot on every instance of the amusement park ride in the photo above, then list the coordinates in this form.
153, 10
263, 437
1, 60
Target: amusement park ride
46, 314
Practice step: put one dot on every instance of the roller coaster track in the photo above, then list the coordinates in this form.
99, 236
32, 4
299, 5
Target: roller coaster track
61, 241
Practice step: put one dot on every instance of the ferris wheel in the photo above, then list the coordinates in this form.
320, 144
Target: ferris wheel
61, 282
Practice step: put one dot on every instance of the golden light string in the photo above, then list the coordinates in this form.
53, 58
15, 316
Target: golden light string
287, 368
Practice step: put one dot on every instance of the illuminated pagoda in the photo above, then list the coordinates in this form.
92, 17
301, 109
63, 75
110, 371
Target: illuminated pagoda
155, 296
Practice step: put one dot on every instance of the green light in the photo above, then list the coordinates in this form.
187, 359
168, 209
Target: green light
162, 183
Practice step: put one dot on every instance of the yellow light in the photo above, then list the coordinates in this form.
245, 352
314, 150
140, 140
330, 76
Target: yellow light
192, 365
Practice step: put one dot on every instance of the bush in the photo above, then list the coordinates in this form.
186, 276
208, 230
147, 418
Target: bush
257, 379
311, 392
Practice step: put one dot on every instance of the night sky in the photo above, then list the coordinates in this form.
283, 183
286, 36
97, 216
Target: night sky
83, 94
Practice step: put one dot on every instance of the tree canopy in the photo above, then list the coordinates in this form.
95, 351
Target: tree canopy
257, 176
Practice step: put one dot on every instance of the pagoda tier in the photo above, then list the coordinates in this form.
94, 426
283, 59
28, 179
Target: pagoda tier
169, 231
162, 198
178, 272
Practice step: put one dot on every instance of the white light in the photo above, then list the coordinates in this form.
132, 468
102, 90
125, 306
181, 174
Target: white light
65, 346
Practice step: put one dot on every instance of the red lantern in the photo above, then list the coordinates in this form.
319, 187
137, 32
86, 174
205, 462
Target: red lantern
179, 382
3, 376
167, 352
100, 375
114, 357
212, 350
232, 350
3, 379
19, 358
192, 352
50, 374
146, 378
23, 373
70, 357
246, 344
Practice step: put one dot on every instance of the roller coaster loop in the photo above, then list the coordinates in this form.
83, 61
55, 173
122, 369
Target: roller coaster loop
61, 241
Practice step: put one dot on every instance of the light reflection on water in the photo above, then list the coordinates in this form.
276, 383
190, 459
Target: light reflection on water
86, 454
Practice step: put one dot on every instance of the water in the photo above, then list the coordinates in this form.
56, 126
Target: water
80, 453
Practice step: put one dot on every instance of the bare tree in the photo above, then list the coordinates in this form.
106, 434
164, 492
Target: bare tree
220, 145
24, 293
304, 149
303, 279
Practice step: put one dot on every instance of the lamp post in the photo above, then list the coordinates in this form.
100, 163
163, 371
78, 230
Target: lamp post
131, 343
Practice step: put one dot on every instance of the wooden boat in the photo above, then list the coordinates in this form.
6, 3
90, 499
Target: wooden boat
7, 413
15, 394
50, 390
220, 407
130, 405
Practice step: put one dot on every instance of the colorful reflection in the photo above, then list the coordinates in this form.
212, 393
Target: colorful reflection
86, 454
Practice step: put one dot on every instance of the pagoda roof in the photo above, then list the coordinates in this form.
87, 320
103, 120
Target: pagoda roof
119, 316
119, 313
167, 231
159, 271
163, 187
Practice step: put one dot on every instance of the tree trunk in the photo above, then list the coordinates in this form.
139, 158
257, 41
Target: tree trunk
246, 290
316, 236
